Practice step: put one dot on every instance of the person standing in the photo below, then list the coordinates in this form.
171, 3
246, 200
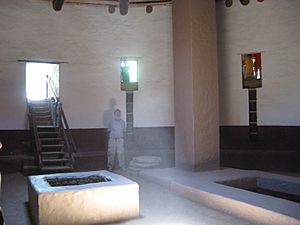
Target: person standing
116, 130
248, 67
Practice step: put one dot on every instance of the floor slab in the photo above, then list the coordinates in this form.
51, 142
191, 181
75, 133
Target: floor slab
158, 206
205, 188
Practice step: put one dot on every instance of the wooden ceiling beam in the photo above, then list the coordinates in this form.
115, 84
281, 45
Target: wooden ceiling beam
132, 3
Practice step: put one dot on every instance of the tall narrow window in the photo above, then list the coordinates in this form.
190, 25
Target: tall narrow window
42, 80
251, 70
129, 74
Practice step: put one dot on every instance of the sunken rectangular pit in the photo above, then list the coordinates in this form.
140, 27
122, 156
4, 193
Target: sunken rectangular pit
272, 187
237, 192
84, 198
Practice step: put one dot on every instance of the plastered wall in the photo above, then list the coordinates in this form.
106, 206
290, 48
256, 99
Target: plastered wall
273, 28
196, 85
90, 41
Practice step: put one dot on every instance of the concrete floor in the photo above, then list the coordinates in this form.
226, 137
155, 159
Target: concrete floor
157, 206
205, 187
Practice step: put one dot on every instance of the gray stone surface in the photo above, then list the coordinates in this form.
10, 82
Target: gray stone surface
86, 204
202, 187
143, 165
157, 206
152, 141
146, 159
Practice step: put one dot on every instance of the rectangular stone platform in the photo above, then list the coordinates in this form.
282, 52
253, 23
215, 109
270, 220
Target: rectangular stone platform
85, 204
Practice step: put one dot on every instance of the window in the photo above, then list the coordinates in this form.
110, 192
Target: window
251, 70
129, 74
37, 75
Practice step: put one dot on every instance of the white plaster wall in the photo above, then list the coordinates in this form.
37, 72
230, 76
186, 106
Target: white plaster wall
12, 95
90, 40
196, 85
272, 27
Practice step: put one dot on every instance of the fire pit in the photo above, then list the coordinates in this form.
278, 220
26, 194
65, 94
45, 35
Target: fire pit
67, 181
84, 198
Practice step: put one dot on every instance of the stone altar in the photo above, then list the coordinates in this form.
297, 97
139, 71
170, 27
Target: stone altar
85, 204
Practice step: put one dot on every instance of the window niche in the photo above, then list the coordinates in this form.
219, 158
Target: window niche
129, 74
251, 70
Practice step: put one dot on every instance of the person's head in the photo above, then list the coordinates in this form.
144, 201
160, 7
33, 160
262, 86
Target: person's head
249, 56
117, 114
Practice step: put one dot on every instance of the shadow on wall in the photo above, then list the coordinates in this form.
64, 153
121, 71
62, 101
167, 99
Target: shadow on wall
152, 141
108, 114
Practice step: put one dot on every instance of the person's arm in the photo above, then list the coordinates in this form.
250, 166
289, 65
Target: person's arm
109, 127
124, 126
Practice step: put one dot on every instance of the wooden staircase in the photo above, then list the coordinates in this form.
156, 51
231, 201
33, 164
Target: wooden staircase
53, 150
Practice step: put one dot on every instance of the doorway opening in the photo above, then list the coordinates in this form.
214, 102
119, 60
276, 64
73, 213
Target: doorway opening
42, 80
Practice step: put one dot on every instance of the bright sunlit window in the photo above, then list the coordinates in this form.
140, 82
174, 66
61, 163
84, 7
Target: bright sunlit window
129, 70
36, 78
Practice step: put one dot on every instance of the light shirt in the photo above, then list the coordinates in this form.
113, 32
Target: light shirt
116, 128
249, 66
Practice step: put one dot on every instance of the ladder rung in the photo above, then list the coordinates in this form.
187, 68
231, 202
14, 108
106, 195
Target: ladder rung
51, 139
52, 146
53, 153
53, 168
42, 116
55, 160
47, 132
47, 126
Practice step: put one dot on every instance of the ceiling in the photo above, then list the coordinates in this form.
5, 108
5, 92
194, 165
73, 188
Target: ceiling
132, 3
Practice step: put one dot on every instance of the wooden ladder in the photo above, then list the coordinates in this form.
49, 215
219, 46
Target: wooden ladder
52, 148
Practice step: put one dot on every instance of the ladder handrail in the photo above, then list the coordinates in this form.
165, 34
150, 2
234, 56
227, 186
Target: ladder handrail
62, 131
64, 127
37, 140
61, 119
49, 84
